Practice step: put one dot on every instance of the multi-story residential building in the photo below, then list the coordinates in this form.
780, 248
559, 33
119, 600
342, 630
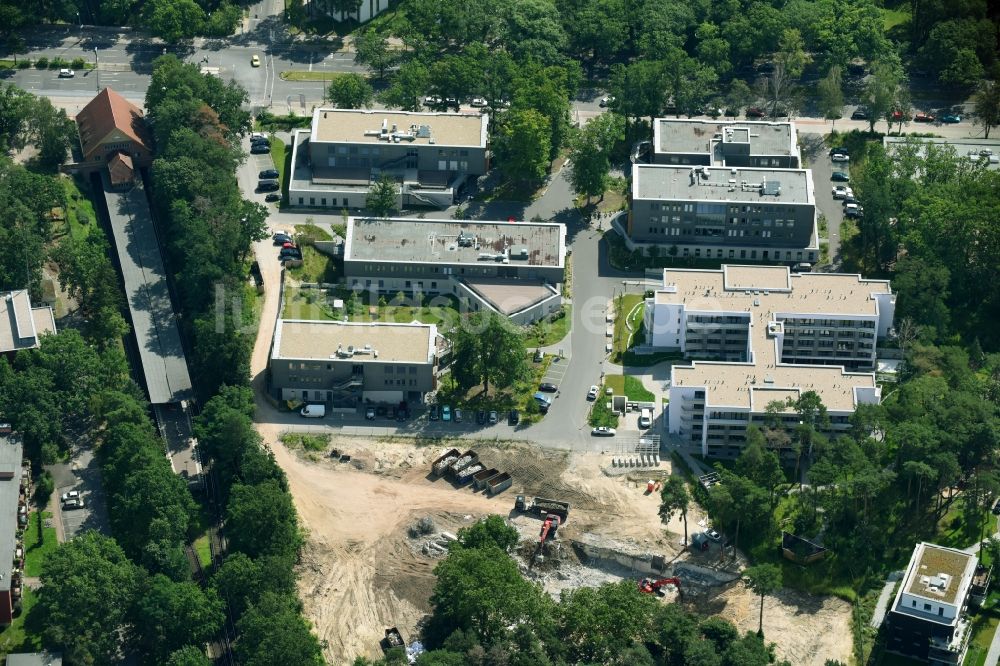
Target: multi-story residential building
927, 620
513, 268
21, 325
13, 515
765, 334
430, 156
366, 9
726, 144
725, 213
344, 363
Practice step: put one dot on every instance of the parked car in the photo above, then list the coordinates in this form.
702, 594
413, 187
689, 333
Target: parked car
494, 417
539, 356
481, 417
75, 503
370, 413
853, 210
849, 199
72, 494
859, 114
273, 196
897, 115
268, 186
841, 191
603, 431
478, 102
713, 535
841, 176
755, 112
548, 387
446, 413
951, 119
281, 239
924, 117
268, 174
514, 417
840, 157
260, 149
255, 60
458, 415
435, 413
592, 393
432, 100
289, 253
838, 151
66, 73
606, 100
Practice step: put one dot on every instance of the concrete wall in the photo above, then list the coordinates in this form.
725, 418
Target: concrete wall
325, 380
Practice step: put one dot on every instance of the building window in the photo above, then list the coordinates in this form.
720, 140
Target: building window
927, 607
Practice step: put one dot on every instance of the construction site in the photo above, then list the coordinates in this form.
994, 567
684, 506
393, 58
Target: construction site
378, 522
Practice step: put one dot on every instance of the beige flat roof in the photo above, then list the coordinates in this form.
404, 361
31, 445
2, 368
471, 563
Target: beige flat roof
753, 385
365, 125
510, 296
320, 340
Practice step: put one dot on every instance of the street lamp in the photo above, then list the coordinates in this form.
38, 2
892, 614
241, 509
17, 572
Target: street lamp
97, 69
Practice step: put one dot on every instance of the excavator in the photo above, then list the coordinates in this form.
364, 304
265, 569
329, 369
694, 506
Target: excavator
648, 586
549, 528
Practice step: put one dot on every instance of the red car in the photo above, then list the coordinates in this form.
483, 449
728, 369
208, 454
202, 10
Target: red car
924, 118
897, 115
755, 112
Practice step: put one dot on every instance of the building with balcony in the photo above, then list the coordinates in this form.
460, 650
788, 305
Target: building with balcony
513, 268
736, 213
345, 151
743, 143
762, 334
21, 326
343, 364
13, 519
927, 620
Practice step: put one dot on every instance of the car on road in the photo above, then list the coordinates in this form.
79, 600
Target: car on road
451, 102
755, 112
446, 413
547, 387
840, 176
481, 417
606, 100
838, 151
369, 413
841, 191
713, 535
514, 417
494, 417
853, 210
290, 254
66, 73
840, 157
478, 102
268, 174
260, 149
67, 496
432, 100
924, 117
458, 415
603, 431
75, 503
281, 238
859, 114
255, 60
951, 119
272, 197
592, 393
435, 413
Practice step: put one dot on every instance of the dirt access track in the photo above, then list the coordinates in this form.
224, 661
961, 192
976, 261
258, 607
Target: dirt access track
362, 573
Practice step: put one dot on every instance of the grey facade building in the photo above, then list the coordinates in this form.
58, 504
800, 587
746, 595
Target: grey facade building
13, 513
430, 156
732, 144
21, 326
733, 213
343, 363
513, 268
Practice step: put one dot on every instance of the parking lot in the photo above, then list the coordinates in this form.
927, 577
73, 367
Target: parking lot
818, 158
556, 372
82, 474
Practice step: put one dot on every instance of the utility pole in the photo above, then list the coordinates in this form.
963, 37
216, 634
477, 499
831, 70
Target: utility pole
97, 69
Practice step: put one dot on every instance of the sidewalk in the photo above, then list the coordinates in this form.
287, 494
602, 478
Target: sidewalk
884, 597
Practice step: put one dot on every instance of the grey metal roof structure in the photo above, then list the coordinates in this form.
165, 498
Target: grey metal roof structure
163, 363
718, 184
974, 150
10, 490
35, 659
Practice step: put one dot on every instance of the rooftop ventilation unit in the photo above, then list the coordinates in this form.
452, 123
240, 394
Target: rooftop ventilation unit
424, 132
772, 188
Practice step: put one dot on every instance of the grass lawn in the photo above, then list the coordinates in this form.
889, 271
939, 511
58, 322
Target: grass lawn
16, 638
625, 307
600, 413
297, 75
307, 304
629, 386
954, 530
549, 330
78, 204
984, 626
893, 17
316, 267
312, 231
203, 551
38, 546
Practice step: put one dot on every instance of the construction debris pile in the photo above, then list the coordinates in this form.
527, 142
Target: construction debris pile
463, 469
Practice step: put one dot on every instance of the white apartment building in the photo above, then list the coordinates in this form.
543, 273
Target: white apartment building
760, 334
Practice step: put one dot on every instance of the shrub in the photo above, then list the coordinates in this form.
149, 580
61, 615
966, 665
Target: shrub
42, 63
23, 64
58, 63
78, 63
44, 487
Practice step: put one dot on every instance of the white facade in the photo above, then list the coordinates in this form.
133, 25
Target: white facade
367, 10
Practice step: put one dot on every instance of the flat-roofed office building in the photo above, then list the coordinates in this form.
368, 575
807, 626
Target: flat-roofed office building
736, 213
513, 268
345, 151
726, 143
760, 334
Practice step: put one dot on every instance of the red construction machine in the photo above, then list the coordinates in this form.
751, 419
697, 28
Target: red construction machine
649, 586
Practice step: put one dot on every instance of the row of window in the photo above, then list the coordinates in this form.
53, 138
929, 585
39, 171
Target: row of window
765, 254
399, 382
399, 369
740, 221
810, 321
377, 150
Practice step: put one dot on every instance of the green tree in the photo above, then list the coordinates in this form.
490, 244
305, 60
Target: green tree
383, 196
261, 520
492, 530
174, 20
408, 85
763, 579
51, 132
372, 50
88, 585
168, 616
831, 95
488, 349
674, 496
273, 631
590, 154
986, 106
524, 145
740, 96
599, 624
351, 91
882, 90
189, 655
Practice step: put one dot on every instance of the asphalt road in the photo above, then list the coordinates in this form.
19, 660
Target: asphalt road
81, 473
817, 158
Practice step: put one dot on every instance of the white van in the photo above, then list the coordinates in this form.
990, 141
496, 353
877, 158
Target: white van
645, 418
314, 411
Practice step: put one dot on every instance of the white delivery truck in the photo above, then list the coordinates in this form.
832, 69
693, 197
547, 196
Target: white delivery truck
314, 411
645, 417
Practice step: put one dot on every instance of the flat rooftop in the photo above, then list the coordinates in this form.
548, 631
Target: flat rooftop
929, 561
771, 293
10, 491
406, 240
735, 184
510, 296
413, 128
700, 136
20, 324
372, 341
974, 150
